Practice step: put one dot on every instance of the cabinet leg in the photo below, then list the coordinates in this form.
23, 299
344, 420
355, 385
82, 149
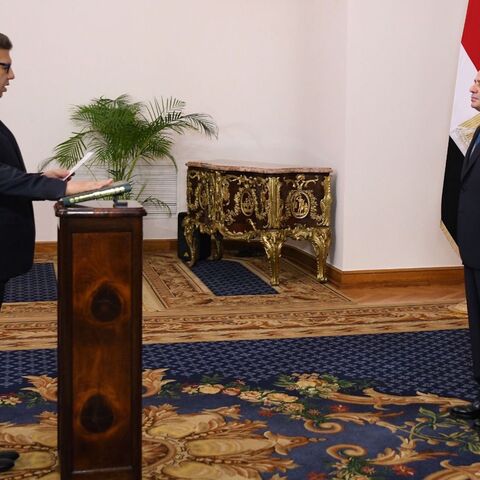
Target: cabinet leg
272, 242
218, 253
189, 231
320, 240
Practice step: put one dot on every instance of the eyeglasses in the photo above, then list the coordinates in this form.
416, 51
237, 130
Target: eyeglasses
6, 66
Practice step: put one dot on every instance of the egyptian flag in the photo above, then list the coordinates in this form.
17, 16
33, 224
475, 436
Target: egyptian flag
464, 119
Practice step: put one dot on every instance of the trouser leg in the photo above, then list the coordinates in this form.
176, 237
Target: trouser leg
7, 457
472, 290
2, 291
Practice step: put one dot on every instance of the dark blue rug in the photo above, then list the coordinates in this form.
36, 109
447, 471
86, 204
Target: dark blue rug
301, 409
228, 277
37, 285
222, 277
434, 362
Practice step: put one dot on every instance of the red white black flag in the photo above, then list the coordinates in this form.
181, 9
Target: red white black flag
464, 119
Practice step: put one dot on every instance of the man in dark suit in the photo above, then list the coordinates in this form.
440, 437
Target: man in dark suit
468, 238
17, 190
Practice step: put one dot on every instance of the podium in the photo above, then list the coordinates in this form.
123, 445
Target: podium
99, 340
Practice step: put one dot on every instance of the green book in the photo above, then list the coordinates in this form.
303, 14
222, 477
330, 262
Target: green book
116, 188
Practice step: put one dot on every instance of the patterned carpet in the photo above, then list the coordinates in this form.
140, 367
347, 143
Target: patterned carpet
298, 426
179, 307
314, 387
37, 285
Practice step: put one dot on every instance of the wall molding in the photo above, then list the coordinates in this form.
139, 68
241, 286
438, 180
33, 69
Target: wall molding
161, 245
45, 248
388, 277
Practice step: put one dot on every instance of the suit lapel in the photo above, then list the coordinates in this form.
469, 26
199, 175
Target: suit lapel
472, 155
4, 129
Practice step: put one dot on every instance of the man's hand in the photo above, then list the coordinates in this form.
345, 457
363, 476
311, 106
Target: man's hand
60, 173
79, 186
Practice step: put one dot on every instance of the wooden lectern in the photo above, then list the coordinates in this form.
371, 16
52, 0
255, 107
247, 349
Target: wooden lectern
99, 340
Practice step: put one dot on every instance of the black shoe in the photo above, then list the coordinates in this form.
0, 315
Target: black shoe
467, 411
10, 454
6, 464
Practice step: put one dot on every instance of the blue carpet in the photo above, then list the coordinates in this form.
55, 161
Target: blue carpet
37, 285
434, 362
227, 277
278, 409
222, 277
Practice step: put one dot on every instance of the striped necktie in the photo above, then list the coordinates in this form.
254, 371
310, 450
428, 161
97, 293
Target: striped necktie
468, 160
475, 145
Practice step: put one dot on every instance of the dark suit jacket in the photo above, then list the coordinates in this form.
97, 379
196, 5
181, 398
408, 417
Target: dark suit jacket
17, 190
468, 227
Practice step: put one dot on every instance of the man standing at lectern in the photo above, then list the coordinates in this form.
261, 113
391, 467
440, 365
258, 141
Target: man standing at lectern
18, 189
468, 238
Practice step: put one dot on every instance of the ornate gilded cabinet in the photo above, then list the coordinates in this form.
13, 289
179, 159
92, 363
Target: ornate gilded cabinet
269, 204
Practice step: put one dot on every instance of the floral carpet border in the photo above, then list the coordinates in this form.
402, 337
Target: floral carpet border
33, 332
302, 426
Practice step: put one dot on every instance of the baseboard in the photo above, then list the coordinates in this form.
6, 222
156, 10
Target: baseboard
160, 245
49, 248
397, 277
149, 246
390, 277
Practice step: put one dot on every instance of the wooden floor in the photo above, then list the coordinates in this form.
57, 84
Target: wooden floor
377, 294
408, 294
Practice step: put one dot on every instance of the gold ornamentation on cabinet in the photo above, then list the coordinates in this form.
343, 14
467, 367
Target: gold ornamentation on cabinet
326, 202
272, 241
319, 237
300, 204
247, 202
189, 226
248, 187
274, 204
202, 195
301, 201
196, 183
300, 183
247, 206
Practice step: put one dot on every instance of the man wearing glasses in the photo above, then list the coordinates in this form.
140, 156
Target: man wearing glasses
17, 190
7, 68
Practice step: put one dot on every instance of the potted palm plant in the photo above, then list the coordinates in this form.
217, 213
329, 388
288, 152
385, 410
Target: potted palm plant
122, 132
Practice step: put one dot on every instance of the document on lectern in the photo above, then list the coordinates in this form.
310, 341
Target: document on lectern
116, 188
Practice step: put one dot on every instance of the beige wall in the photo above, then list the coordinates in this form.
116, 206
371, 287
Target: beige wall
363, 86
401, 68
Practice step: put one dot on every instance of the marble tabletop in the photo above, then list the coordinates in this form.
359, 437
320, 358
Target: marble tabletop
254, 167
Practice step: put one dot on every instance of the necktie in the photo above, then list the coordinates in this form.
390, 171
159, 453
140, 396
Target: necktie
475, 145
469, 159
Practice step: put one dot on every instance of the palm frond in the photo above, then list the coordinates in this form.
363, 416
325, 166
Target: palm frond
157, 202
69, 152
198, 121
121, 132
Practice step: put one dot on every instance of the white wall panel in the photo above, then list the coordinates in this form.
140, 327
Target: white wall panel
363, 86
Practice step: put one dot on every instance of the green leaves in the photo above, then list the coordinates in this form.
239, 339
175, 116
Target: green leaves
121, 132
